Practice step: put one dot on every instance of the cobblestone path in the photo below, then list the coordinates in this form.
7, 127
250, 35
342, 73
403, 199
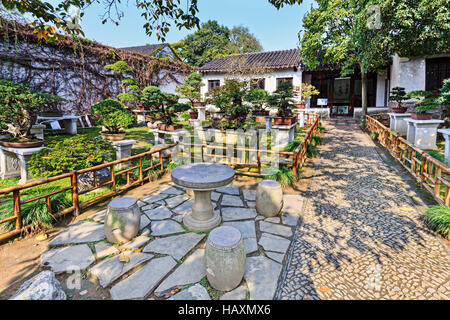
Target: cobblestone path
360, 236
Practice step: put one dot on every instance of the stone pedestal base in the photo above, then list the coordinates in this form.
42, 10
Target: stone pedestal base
301, 118
268, 124
398, 123
446, 135
13, 163
140, 116
195, 122
202, 217
283, 134
70, 124
422, 133
201, 113
123, 150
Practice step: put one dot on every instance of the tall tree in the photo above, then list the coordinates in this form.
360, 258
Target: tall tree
242, 41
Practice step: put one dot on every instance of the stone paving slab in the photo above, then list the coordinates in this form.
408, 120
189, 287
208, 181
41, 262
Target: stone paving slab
292, 203
159, 213
65, 259
278, 257
275, 229
142, 282
176, 246
231, 201
171, 190
192, 270
261, 275
136, 243
165, 227
240, 293
175, 201
145, 221
232, 214
196, 292
271, 242
215, 196
247, 228
289, 219
184, 208
104, 249
273, 220
249, 195
111, 269
79, 232
98, 217
154, 198
229, 189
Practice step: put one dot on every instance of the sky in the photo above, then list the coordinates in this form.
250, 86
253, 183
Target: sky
275, 29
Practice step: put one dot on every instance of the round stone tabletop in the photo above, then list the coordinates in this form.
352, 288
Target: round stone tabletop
202, 176
225, 236
122, 203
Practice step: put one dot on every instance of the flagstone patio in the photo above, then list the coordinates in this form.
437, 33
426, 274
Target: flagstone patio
165, 259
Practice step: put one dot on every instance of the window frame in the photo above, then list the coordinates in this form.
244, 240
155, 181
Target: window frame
210, 84
284, 79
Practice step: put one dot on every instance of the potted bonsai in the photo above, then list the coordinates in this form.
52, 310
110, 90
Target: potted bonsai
163, 106
305, 92
19, 105
398, 94
282, 100
114, 117
190, 90
426, 102
257, 98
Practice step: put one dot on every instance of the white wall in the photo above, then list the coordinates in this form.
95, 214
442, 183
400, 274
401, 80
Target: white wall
168, 84
408, 73
380, 90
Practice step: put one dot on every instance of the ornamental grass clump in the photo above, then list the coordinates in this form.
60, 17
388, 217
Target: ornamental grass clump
438, 217
112, 115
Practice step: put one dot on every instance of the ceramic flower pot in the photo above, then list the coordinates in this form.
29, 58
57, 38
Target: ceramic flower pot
421, 116
282, 121
113, 136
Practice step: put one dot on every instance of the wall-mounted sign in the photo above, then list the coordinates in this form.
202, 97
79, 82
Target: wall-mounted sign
322, 102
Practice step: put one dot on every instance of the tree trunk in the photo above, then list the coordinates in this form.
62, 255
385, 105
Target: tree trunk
364, 93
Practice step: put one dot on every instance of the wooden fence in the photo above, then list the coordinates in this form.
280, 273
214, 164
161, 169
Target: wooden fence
432, 174
77, 205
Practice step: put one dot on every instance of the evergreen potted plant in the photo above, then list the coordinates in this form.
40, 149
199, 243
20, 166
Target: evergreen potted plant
398, 94
426, 102
19, 105
257, 98
114, 117
282, 99
190, 90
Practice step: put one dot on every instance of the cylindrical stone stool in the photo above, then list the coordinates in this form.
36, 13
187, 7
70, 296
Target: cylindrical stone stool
269, 198
122, 220
225, 258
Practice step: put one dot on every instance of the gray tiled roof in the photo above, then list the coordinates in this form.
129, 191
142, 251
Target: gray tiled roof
148, 49
282, 59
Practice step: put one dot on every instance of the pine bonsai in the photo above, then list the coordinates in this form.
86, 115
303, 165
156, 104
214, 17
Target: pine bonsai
282, 99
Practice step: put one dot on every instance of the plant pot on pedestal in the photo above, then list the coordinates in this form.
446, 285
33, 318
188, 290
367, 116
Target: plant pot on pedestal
31, 144
399, 109
284, 121
113, 136
300, 105
421, 116
169, 127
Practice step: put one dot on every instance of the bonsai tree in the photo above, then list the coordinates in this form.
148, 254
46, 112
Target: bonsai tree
190, 89
130, 87
18, 105
257, 98
426, 101
444, 97
398, 94
112, 115
307, 91
162, 105
282, 99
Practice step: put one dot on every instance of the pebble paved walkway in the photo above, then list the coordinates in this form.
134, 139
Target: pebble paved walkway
360, 236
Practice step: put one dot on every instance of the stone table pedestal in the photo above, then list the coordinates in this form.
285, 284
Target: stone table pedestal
13, 163
123, 150
398, 123
446, 135
202, 178
422, 133
70, 124
283, 134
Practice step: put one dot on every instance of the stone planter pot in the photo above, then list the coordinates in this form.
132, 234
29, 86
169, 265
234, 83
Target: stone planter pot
122, 220
169, 127
399, 110
193, 115
269, 198
113, 136
20, 145
421, 116
225, 257
300, 105
281, 121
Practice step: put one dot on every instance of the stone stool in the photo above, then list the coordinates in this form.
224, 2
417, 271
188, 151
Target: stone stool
225, 258
269, 198
122, 220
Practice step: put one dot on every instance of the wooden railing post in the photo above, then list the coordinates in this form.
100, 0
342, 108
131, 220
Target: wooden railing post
17, 214
75, 200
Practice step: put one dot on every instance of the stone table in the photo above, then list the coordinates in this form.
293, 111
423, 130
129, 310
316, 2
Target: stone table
398, 123
202, 178
422, 133
13, 162
446, 134
70, 122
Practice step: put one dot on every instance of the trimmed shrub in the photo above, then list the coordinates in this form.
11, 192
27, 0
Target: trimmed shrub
438, 217
112, 115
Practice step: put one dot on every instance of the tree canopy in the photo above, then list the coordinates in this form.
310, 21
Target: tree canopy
213, 40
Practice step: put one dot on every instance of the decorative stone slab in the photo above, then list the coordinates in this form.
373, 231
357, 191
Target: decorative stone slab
251, 203
145, 221
192, 270
98, 217
176, 246
136, 243
184, 208
292, 203
154, 198
250, 245
273, 219
111, 269
274, 243
290, 219
159, 213
249, 195
165, 227
196, 292
64, 259
172, 190
175, 201
231, 201
43, 286
247, 228
230, 189
275, 229
215, 196
240, 293
261, 275
80, 232
278, 257
231, 214
153, 205
104, 249
142, 282
259, 218
178, 218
